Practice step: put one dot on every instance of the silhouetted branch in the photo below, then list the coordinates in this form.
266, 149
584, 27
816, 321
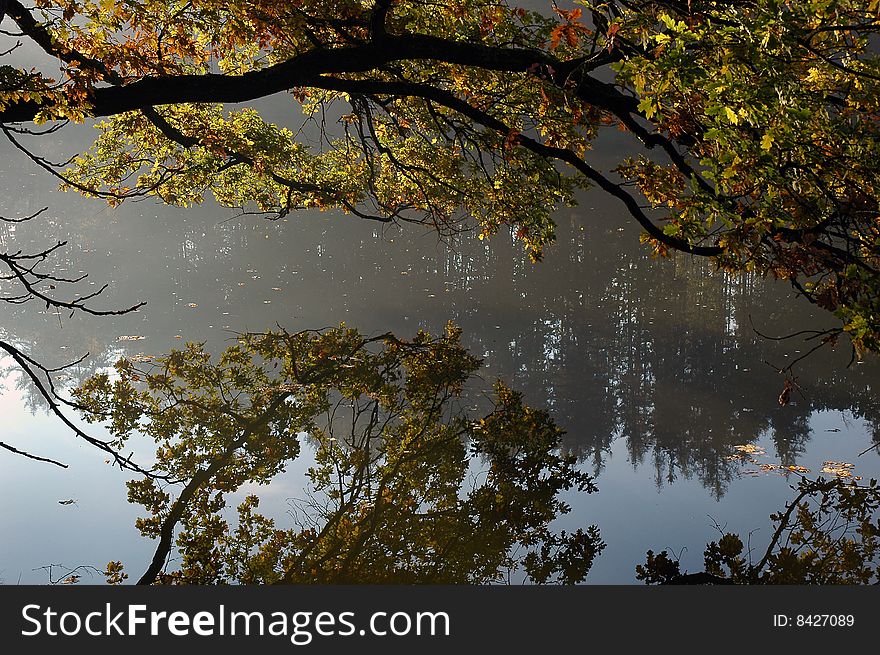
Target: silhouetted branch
23, 271
31, 456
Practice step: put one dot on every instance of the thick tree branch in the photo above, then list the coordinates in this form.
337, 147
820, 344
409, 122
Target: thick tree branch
299, 71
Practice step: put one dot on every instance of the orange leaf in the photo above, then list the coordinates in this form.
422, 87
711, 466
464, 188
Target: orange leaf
556, 36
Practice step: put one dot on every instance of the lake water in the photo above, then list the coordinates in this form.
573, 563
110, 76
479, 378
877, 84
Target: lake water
654, 368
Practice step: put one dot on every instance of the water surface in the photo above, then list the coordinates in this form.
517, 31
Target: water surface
655, 368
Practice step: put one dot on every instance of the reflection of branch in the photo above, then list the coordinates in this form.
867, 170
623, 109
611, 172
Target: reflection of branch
699, 578
22, 270
807, 490
166, 532
195, 484
30, 456
47, 391
204, 476
69, 575
23, 219
366, 526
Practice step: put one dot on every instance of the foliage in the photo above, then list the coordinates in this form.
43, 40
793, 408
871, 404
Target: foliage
406, 486
830, 534
757, 119
779, 101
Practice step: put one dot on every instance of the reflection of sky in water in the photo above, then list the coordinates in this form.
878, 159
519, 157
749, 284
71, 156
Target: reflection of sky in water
652, 367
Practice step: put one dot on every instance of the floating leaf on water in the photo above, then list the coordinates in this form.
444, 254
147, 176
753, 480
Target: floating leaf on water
840, 469
276, 288
130, 337
192, 304
178, 336
840, 473
140, 358
770, 468
750, 449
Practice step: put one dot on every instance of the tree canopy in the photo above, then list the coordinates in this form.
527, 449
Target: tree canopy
754, 124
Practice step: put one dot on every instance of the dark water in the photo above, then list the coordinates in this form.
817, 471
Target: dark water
654, 368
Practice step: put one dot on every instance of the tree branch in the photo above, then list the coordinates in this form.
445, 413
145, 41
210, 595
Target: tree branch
451, 101
300, 70
31, 456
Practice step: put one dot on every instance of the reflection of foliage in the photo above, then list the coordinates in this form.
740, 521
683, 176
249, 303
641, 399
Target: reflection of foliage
391, 496
829, 534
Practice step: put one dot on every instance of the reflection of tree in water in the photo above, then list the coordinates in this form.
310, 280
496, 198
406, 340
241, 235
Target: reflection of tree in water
407, 486
828, 534
671, 363
662, 355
